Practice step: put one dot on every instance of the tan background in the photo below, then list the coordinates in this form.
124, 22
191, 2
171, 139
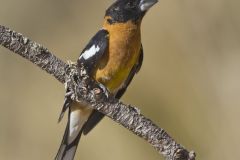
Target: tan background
189, 83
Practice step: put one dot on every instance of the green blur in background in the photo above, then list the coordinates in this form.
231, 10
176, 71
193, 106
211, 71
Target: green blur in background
189, 83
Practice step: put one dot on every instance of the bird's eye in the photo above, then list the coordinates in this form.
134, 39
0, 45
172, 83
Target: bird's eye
130, 4
116, 9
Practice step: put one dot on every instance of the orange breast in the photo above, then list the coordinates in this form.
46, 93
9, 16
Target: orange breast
123, 53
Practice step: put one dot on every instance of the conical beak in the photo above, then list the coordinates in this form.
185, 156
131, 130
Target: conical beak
147, 4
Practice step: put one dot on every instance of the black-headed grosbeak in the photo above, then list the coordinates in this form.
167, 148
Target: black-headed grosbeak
112, 57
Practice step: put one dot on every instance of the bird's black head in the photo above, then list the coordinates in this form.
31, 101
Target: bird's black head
125, 10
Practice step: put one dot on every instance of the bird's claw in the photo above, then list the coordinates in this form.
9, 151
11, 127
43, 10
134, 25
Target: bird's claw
104, 90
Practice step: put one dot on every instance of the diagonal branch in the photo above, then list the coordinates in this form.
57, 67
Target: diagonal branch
85, 89
33, 52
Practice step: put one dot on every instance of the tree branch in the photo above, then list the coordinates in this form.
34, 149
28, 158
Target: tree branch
85, 89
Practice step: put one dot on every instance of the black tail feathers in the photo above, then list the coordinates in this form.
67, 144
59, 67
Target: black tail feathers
67, 150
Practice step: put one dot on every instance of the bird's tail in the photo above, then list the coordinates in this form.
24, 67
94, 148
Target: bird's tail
76, 120
67, 150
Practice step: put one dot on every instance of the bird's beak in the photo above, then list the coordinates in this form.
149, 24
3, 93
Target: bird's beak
147, 4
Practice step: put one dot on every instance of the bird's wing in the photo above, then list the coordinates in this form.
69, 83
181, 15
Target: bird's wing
95, 49
89, 57
78, 114
96, 116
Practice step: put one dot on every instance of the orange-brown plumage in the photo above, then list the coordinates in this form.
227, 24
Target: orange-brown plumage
122, 54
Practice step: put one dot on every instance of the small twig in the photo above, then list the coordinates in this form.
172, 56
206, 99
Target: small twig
85, 89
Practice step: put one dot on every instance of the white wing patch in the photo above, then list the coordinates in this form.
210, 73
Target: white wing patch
90, 52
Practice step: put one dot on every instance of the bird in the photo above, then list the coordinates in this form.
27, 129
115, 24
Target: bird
112, 57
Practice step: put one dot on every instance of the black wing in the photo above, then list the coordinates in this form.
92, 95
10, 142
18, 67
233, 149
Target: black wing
94, 50
96, 116
89, 58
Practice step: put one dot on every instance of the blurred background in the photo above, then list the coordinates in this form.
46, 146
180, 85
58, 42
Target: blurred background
189, 83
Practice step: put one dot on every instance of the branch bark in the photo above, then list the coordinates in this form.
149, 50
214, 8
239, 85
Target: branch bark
85, 89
